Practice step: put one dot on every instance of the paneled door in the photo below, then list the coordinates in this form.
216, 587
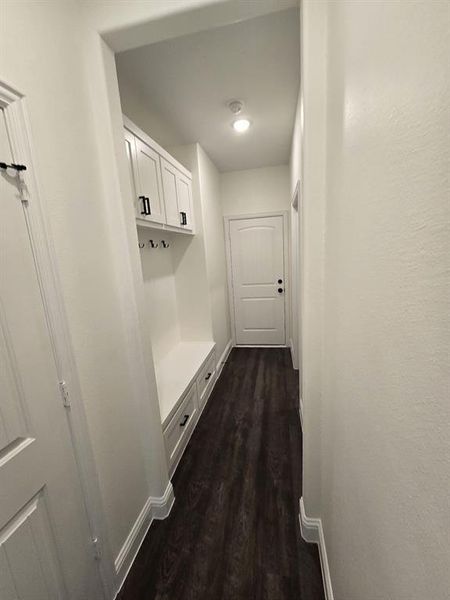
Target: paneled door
256, 249
45, 550
169, 177
149, 184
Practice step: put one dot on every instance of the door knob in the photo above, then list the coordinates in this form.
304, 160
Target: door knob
280, 290
280, 281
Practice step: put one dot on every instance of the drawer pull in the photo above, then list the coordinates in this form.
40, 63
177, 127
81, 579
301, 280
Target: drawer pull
186, 419
208, 376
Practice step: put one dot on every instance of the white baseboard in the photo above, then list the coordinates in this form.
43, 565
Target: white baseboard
154, 508
300, 412
312, 532
223, 359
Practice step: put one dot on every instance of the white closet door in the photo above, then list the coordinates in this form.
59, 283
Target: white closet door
258, 281
45, 551
184, 189
150, 184
169, 178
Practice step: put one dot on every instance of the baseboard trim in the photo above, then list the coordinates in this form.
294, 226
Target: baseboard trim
155, 508
312, 532
223, 359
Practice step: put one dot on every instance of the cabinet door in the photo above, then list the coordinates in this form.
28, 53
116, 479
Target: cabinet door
169, 178
184, 189
130, 145
150, 185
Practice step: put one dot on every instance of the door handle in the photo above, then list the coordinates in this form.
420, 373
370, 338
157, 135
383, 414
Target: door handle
280, 290
183, 218
208, 376
144, 205
149, 212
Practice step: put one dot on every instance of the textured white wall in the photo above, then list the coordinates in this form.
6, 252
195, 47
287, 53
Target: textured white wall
255, 190
377, 414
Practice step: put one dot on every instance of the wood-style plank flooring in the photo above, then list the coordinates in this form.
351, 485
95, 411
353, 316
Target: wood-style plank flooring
233, 533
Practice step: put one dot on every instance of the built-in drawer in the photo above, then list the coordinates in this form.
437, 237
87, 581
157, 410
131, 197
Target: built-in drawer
206, 378
181, 424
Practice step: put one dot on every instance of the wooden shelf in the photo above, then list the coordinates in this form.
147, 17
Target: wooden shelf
175, 373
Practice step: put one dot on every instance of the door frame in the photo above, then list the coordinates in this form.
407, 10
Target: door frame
287, 281
295, 252
13, 104
297, 268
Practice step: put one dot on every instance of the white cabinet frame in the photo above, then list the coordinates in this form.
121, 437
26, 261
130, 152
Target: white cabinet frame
181, 175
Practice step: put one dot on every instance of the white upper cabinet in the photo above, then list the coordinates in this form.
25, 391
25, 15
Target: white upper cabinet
150, 185
184, 193
169, 178
162, 187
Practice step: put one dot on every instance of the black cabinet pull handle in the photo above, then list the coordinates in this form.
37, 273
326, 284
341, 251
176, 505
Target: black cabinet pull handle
280, 290
185, 420
183, 218
208, 376
145, 205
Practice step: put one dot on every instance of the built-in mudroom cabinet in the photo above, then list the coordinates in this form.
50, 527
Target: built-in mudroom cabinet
167, 205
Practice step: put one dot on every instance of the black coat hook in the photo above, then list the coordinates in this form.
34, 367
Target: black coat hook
152, 244
12, 166
141, 245
164, 244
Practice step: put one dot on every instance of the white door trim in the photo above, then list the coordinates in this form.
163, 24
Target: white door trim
287, 282
13, 104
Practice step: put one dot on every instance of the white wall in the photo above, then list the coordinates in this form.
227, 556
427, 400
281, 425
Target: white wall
215, 250
209, 228
137, 107
377, 450
255, 190
160, 291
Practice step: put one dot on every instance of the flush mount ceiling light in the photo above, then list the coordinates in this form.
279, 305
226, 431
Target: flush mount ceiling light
242, 124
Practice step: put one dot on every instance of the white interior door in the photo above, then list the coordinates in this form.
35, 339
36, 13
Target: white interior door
45, 550
258, 280
149, 182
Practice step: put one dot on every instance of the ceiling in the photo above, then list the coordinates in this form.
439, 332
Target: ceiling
190, 80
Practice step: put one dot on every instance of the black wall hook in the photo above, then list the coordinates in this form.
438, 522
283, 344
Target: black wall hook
164, 244
12, 166
152, 244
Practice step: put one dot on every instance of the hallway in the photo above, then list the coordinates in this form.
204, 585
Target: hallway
233, 532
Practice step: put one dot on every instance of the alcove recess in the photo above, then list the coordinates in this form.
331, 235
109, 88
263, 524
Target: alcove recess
178, 312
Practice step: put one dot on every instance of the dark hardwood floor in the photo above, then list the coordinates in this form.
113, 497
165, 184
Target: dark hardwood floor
233, 533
